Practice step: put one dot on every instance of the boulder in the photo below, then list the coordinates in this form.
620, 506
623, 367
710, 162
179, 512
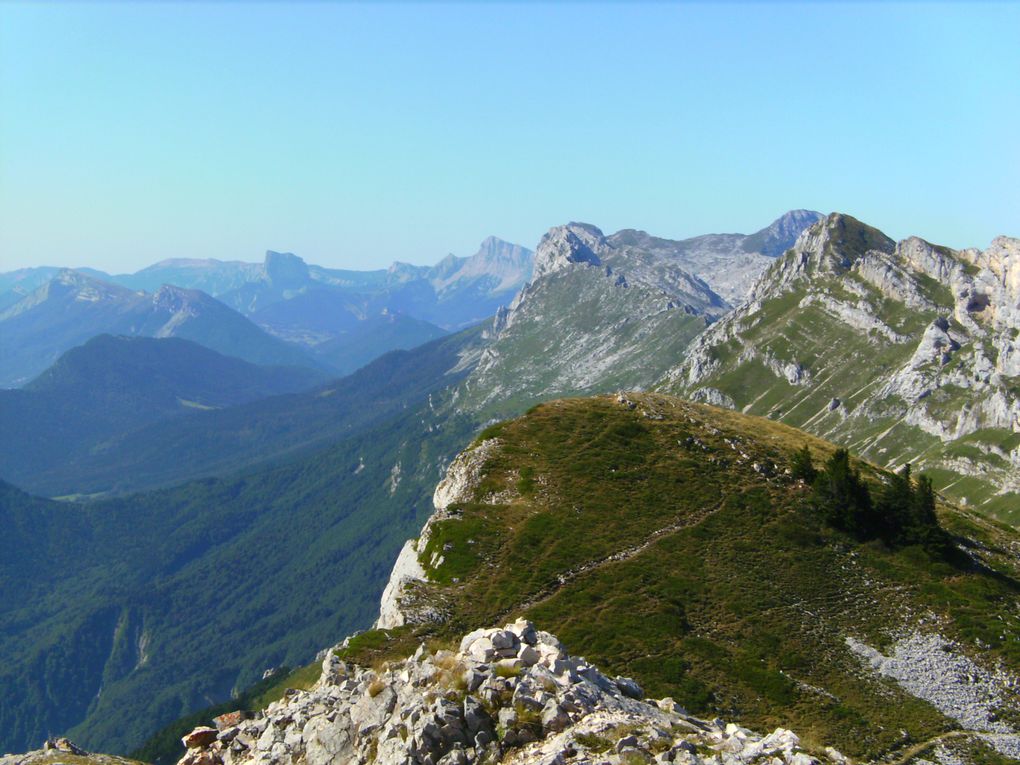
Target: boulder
62, 744
231, 719
200, 737
629, 688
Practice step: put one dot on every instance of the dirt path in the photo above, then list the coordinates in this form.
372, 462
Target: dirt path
568, 576
917, 749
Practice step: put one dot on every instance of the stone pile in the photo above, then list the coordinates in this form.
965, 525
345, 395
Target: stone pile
504, 695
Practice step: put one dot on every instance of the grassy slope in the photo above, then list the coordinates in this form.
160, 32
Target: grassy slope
730, 595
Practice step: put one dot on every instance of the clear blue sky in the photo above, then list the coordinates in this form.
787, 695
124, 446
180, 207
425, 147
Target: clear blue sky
355, 135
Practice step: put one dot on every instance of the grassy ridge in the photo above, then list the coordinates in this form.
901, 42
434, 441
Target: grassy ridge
666, 543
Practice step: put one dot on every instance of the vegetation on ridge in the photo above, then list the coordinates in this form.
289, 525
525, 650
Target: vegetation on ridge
667, 542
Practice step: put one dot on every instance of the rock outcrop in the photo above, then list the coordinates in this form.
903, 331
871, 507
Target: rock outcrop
399, 605
512, 695
564, 245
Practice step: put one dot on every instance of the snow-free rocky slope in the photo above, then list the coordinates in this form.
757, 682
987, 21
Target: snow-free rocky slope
905, 352
665, 541
594, 317
728, 263
602, 313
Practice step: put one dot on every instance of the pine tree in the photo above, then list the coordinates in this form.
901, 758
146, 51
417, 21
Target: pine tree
893, 509
801, 467
842, 495
923, 524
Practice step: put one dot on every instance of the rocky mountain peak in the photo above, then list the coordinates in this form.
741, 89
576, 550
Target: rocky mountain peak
83, 287
71, 278
284, 269
780, 235
401, 272
498, 255
835, 243
564, 245
492, 247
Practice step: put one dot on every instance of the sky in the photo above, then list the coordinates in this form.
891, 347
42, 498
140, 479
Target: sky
355, 135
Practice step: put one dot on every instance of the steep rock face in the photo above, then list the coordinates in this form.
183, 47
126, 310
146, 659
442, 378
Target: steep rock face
595, 317
573, 243
285, 269
910, 351
510, 695
501, 268
399, 605
776, 238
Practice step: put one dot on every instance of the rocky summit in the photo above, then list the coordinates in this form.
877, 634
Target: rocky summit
597, 315
510, 695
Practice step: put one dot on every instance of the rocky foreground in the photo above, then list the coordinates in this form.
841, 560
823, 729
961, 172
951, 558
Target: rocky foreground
511, 695
62, 751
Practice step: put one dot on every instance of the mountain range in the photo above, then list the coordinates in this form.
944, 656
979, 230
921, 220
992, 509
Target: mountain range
814, 322
72, 308
333, 319
281, 312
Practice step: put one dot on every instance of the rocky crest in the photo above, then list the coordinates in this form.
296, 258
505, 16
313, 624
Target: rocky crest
62, 750
512, 695
781, 234
727, 263
563, 245
284, 269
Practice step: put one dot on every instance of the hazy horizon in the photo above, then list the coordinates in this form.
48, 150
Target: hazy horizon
357, 135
